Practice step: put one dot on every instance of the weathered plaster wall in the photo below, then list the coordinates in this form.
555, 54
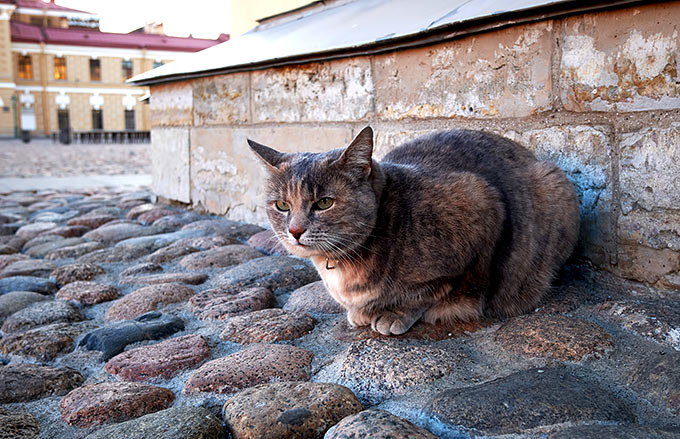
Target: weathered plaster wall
599, 94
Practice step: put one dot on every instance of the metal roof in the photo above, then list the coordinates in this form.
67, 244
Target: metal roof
28, 33
40, 5
342, 28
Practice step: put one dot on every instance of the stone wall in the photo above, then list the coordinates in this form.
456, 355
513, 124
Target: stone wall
597, 93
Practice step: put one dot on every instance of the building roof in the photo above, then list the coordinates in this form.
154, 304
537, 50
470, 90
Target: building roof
38, 4
26, 33
342, 28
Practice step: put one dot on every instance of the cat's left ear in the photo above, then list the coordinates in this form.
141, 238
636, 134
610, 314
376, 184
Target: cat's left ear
359, 153
271, 157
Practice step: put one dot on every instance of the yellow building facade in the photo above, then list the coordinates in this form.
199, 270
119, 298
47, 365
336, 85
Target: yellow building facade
246, 14
58, 71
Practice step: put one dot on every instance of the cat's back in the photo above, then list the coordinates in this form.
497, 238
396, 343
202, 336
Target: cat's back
462, 151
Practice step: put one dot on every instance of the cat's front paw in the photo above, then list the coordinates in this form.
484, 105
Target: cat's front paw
390, 323
356, 318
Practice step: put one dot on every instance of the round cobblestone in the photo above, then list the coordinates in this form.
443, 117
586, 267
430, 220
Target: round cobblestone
164, 359
376, 424
262, 363
222, 303
76, 272
559, 337
41, 313
379, 368
285, 410
173, 423
313, 298
267, 325
16, 301
148, 299
219, 257
88, 293
22, 382
103, 403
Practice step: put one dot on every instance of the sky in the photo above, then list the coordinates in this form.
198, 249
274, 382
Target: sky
201, 18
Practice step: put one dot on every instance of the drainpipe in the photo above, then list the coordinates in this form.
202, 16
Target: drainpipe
14, 113
45, 95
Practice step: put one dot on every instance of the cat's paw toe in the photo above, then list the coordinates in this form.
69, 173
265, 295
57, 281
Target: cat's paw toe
389, 324
356, 319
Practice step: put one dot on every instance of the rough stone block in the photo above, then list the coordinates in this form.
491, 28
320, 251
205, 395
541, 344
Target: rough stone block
659, 229
649, 225
648, 265
500, 74
623, 60
172, 104
386, 140
649, 169
227, 179
220, 100
170, 158
339, 90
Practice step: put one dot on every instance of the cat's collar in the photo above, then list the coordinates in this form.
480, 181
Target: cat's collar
331, 263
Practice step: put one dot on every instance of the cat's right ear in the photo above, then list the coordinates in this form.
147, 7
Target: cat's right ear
269, 156
358, 154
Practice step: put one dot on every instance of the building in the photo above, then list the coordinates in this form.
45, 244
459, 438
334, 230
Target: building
58, 70
245, 14
592, 87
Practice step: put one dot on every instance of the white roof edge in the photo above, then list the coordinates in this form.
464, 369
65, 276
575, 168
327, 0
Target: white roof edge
344, 26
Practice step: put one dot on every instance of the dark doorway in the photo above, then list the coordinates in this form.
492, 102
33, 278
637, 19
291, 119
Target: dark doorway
97, 120
64, 122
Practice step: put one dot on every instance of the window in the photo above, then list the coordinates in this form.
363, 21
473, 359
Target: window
129, 120
127, 69
25, 67
60, 69
157, 64
95, 70
97, 120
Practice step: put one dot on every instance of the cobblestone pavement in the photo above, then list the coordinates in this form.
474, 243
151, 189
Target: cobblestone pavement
126, 319
42, 157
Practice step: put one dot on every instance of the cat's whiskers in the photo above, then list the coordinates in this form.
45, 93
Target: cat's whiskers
349, 243
348, 261
386, 278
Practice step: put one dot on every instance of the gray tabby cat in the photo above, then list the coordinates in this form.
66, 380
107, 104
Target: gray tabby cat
448, 227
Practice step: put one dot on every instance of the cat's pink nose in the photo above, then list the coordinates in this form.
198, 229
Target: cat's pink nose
297, 232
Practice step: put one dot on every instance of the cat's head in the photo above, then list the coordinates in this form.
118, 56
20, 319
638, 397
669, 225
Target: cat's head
322, 204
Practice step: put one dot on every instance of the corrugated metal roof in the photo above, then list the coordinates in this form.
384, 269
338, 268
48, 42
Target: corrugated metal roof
344, 28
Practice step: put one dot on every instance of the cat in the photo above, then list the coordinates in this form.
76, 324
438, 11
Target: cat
452, 226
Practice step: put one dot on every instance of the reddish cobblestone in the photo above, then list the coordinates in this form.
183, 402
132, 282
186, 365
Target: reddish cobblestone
88, 293
112, 402
164, 359
148, 299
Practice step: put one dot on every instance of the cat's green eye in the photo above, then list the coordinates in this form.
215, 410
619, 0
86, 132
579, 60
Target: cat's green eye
323, 203
282, 206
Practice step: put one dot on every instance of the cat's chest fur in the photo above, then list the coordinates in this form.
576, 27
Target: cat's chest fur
341, 283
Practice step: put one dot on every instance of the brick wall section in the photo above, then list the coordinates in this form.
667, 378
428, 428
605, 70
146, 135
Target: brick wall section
599, 94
